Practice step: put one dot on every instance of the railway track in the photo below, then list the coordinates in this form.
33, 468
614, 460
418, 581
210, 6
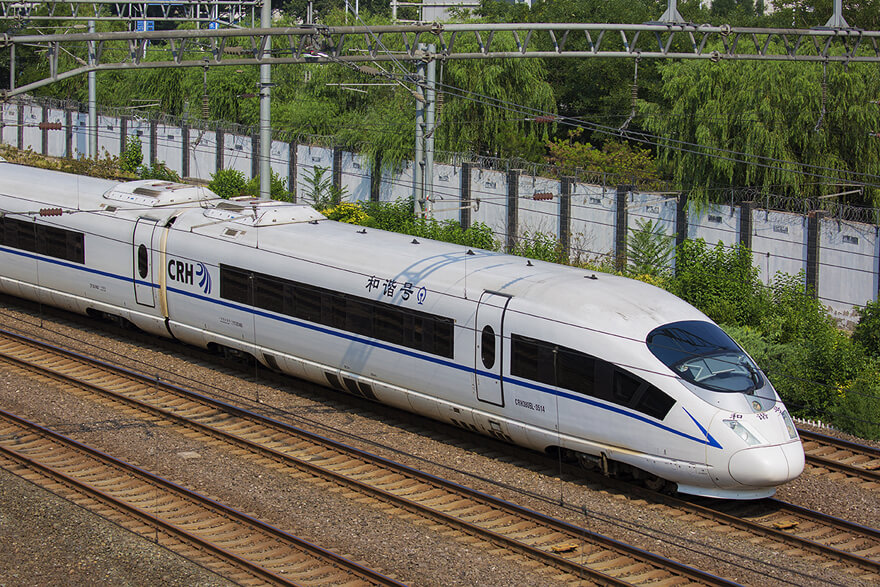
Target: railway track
568, 552
797, 530
833, 456
236, 546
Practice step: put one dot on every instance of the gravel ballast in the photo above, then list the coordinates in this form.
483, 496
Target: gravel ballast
413, 551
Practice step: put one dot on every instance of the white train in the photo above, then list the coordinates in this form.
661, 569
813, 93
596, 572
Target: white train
613, 372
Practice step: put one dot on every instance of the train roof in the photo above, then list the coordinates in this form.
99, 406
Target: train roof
548, 289
56, 188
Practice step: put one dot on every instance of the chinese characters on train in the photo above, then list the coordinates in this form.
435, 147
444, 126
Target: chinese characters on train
391, 286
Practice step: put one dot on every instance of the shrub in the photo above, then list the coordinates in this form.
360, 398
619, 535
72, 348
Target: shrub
321, 191
160, 171
228, 183
722, 282
867, 331
347, 212
132, 156
648, 249
539, 246
857, 408
277, 188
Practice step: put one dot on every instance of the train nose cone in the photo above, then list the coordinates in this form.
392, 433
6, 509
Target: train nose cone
767, 466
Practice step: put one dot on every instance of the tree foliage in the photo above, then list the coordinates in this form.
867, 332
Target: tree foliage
631, 163
753, 124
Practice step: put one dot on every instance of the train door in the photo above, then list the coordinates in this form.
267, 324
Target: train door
142, 263
489, 348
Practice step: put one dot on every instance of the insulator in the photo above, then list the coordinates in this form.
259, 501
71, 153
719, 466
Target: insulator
49, 126
50, 212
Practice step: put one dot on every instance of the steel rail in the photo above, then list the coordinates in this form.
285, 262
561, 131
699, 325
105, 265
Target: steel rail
229, 513
314, 466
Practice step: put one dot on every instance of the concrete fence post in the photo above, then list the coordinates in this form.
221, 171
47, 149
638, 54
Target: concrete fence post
376, 179
220, 147
466, 216
512, 208
814, 223
745, 224
620, 235
44, 134
565, 216
291, 169
255, 155
154, 142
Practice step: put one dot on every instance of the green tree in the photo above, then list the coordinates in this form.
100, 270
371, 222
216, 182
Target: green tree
228, 183
649, 249
634, 164
132, 156
753, 124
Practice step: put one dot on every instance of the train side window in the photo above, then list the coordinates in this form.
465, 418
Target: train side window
524, 357
76, 249
444, 331
487, 347
235, 285
332, 309
20, 235
625, 387
143, 261
655, 403
3, 230
60, 243
268, 293
410, 328
52, 241
308, 303
389, 324
359, 317
575, 371
288, 305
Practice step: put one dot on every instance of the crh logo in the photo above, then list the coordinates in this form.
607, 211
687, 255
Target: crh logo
204, 278
184, 272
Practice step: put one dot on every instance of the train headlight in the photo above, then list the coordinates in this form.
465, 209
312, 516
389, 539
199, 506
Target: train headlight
789, 425
743, 432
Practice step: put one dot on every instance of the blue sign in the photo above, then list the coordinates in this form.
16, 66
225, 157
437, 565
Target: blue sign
213, 25
146, 25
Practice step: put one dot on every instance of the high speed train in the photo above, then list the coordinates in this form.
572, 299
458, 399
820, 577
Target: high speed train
614, 373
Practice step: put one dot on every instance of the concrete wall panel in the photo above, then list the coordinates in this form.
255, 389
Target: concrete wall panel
537, 212
33, 136
715, 224
779, 243
56, 145
489, 191
237, 152
169, 147
109, 130
279, 155
140, 129
593, 217
79, 122
656, 209
356, 177
848, 266
447, 193
310, 159
202, 153
9, 129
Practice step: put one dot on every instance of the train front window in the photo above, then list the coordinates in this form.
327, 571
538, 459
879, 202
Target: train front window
701, 353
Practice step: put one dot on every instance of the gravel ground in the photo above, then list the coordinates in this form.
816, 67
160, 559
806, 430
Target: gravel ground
57, 542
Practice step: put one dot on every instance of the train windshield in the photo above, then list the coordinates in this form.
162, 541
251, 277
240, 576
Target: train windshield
703, 354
